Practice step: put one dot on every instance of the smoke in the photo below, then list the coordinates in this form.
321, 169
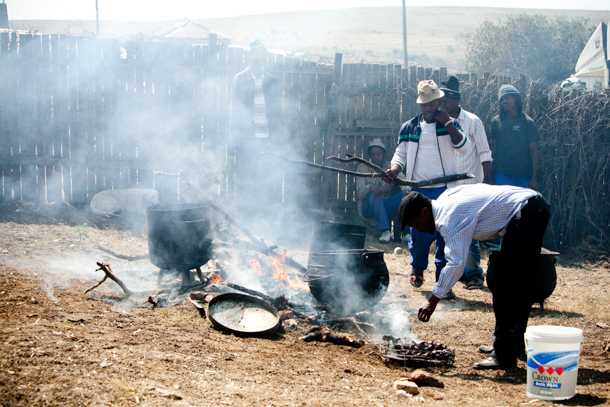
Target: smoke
131, 118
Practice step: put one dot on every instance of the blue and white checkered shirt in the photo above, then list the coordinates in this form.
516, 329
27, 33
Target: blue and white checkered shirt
467, 212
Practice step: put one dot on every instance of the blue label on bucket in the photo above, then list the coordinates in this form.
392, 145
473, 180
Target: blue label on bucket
547, 385
567, 360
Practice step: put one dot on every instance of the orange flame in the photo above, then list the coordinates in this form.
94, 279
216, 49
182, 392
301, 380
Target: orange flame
217, 279
256, 267
280, 274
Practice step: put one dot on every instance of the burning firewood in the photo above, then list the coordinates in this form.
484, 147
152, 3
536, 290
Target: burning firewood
321, 334
105, 267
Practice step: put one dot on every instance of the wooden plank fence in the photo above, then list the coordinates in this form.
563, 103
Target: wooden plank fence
80, 115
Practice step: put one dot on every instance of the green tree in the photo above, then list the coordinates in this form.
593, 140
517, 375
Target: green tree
531, 44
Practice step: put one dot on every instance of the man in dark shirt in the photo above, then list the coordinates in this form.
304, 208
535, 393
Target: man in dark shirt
514, 142
256, 126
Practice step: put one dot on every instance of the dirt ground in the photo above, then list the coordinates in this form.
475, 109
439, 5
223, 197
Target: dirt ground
63, 348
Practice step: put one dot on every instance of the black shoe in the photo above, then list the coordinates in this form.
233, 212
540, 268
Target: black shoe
492, 363
475, 283
486, 349
416, 281
451, 296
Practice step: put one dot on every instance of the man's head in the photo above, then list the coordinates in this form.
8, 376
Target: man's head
258, 54
415, 210
376, 151
451, 87
429, 98
510, 100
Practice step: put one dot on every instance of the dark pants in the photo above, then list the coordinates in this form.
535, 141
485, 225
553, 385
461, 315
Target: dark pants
419, 243
513, 278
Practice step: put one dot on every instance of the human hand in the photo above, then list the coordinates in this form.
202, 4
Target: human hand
442, 117
426, 311
390, 175
534, 183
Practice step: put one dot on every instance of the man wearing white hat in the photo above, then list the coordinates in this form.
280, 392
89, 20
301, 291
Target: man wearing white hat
427, 149
377, 200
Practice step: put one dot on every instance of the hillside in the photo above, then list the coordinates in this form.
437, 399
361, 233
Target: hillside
436, 35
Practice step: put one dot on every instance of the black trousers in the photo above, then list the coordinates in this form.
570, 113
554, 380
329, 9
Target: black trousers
512, 279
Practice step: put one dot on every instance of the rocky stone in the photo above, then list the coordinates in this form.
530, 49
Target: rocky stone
423, 378
406, 385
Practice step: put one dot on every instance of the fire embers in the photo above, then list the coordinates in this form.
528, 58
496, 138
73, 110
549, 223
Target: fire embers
426, 352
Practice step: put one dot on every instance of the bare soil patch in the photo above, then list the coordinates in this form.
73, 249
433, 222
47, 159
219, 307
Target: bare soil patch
60, 347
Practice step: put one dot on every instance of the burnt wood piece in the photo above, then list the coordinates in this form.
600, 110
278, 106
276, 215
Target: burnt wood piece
249, 291
320, 334
152, 301
417, 352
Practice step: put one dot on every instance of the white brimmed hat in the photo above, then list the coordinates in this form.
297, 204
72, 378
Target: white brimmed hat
376, 143
427, 91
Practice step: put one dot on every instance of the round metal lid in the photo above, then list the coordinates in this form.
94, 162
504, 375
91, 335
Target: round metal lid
243, 315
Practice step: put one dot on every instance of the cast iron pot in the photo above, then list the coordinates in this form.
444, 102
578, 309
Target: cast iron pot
348, 281
178, 235
546, 280
326, 236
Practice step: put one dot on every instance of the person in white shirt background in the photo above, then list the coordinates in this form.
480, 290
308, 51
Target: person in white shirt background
427, 148
476, 162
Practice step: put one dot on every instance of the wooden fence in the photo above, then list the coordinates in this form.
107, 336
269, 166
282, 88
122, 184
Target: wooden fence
79, 115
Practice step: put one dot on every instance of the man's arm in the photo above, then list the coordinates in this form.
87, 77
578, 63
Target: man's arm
398, 160
534, 156
483, 151
457, 137
486, 172
456, 251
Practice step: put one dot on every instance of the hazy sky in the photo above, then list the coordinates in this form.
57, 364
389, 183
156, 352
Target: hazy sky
153, 10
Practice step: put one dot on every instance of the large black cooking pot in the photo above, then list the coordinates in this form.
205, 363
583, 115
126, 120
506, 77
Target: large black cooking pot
178, 236
327, 236
348, 281
546, 280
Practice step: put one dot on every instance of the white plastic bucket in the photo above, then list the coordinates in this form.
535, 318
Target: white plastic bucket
552, 361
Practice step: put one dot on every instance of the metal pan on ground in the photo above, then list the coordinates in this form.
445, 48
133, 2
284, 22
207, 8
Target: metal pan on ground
243, 315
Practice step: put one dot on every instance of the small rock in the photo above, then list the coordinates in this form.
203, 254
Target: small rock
402, 393
399, 250
406, 385
423, 378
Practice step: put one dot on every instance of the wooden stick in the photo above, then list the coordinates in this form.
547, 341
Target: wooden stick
322, 167
401, 182
249, 291
105, 267
414, 184
350, 158
123, 257
357, 324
